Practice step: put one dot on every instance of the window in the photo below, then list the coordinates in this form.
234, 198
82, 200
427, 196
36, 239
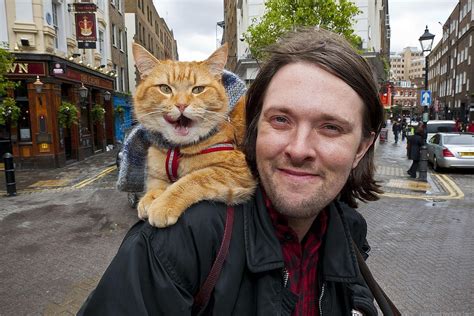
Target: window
55, 24
114, 39
101, 46
119, 39
122, 79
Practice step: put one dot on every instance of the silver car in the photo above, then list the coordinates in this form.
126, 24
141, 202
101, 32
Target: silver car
451, 150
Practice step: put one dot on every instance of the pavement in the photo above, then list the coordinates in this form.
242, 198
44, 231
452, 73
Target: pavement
76, 175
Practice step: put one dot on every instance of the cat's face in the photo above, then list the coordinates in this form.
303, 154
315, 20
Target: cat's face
184, 101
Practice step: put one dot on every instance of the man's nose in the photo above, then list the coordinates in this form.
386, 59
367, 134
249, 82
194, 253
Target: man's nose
301, 146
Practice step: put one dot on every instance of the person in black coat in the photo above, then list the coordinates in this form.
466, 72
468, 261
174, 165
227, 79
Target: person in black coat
414, 143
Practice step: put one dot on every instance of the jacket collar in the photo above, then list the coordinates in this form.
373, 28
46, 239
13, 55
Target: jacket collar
263, 250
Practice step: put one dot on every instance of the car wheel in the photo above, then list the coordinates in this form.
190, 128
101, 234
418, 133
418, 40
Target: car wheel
132, 199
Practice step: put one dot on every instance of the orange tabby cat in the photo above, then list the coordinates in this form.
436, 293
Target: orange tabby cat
186, 103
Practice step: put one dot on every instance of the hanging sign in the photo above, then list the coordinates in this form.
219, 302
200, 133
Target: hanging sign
86, 27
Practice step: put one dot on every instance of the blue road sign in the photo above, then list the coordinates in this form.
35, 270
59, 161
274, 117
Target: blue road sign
425, 98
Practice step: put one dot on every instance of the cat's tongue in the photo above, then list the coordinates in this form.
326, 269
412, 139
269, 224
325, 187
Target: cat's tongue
181, 130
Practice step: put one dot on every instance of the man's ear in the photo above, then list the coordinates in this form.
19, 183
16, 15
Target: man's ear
217, 60
144, 61
363, 147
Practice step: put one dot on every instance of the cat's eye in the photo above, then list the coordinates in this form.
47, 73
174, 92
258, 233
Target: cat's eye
165, 88
198, 89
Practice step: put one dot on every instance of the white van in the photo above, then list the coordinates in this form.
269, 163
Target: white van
439, 126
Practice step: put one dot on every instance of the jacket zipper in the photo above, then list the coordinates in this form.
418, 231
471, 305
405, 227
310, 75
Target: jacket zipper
321, 299
286, 275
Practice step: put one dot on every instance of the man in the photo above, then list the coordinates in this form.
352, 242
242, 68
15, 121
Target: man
312, 116
396, 128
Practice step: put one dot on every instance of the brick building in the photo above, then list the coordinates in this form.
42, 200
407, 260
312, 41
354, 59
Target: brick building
451, 66
147, 28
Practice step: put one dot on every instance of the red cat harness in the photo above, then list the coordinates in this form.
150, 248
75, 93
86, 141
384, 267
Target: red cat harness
173, 155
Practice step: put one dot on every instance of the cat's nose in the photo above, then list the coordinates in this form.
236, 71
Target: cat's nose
181, 107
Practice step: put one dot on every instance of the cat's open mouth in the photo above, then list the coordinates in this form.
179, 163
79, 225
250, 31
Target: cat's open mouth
181, 125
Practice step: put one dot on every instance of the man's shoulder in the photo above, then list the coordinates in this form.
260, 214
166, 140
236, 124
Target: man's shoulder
186, 250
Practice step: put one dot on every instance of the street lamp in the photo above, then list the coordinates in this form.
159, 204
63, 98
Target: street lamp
83, 92
107, 96
426, 42
38, 85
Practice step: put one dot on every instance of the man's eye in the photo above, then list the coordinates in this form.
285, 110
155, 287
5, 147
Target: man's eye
280, 119
332, 127
198, 89
165, 88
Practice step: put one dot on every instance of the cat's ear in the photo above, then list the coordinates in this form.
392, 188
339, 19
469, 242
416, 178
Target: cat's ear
144, 61
217, 60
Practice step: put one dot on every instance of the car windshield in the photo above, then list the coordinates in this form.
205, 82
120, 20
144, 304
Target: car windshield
459, 140
441, 128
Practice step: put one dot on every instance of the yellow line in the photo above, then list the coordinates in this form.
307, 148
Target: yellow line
454, 192
94, 178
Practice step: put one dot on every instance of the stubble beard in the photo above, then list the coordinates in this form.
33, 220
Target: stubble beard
309, 207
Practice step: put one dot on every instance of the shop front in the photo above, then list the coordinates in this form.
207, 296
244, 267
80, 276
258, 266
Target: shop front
49, 89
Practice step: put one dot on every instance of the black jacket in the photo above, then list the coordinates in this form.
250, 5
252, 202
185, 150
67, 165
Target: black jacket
157, 271
415, 142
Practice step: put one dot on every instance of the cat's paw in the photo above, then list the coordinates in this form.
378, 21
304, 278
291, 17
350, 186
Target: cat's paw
162, 216
144, 205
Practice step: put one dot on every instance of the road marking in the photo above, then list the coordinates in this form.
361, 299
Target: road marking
454, 192
94, 178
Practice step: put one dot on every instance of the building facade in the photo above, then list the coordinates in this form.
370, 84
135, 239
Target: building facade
44, 39
147, 28
451, 67
372, 25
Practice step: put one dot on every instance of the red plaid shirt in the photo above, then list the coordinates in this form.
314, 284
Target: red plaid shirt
301, 259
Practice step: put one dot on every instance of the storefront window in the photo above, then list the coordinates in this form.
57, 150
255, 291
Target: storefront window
24, 123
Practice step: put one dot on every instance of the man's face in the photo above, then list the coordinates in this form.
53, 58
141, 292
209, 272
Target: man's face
309, 138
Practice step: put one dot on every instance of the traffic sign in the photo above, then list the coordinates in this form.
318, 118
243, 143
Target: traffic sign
425, 98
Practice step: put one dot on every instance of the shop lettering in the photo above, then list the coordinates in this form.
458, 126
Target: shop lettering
19, 68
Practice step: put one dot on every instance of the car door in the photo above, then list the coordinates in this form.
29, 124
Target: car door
432, 145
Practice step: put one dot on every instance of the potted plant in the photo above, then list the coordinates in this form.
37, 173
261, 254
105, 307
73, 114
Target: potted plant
120, 112
67, 114
97, 113
9, 111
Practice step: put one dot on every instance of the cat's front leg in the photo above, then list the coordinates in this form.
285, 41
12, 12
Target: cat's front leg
155, 188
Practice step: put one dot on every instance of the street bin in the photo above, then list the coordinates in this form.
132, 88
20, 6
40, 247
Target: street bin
383, 135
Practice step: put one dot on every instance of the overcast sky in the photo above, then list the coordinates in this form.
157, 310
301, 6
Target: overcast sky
194, 23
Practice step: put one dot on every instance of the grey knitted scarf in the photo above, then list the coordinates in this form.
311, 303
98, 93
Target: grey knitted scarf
134, 153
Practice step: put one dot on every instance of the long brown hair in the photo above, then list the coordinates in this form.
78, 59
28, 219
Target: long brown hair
334, 54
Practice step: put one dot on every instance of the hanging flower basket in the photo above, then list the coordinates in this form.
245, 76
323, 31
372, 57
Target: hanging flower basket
120, 112
9, 111
67, 115
97, 113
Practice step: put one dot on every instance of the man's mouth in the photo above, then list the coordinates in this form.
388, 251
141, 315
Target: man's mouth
181, 125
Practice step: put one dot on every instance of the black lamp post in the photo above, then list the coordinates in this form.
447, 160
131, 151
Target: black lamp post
426, 42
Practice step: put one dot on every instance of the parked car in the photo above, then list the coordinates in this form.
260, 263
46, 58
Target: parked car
439, 126
451, 150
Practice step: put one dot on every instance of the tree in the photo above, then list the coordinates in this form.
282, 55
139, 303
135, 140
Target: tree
6, 60
284, 15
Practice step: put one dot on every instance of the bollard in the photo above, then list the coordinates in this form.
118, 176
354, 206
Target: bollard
423, 166
9, 174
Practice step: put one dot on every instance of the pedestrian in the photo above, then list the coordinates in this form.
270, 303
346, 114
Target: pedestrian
404, 130
313, 113
396, 128
415, 142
